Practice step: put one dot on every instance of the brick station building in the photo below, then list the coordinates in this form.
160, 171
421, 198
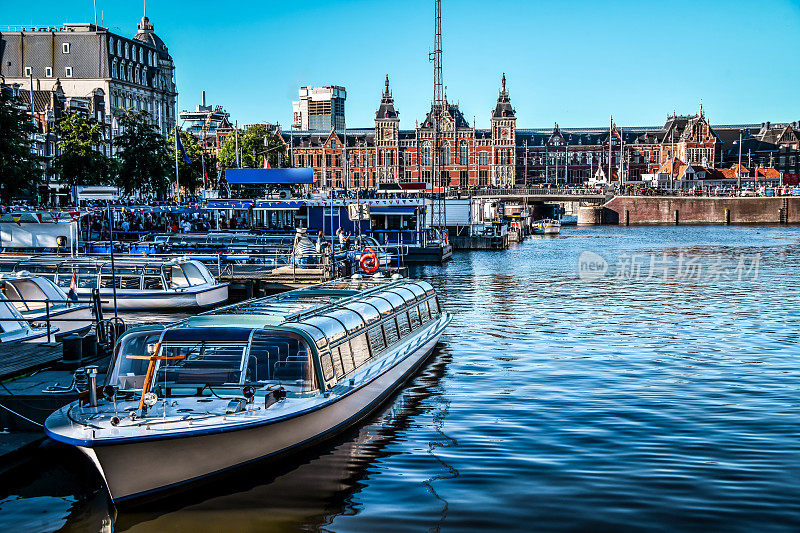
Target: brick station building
503, 155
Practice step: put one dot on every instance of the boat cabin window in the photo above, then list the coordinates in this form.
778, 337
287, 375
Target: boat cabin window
424, 312
413, 313
390, 329
433, 305
346, 355
360, 347
152, 279
201, 363
128, 374
376, 339
403, 325
125, 277
280, 358
85, 276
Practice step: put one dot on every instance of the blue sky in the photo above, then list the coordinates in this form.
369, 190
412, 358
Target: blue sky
568, 62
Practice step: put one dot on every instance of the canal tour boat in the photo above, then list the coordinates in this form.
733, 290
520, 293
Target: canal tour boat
249, 381
38, 300
142, 284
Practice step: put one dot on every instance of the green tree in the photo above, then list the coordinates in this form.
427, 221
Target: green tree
191, 175
20, 169
252, 148
143, 159
80, 161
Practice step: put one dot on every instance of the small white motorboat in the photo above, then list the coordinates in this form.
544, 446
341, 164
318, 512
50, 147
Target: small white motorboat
38, 299
547, 226
248, 381
139, 284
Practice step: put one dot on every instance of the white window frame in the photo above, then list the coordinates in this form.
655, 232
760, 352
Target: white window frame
65, 48
67, 72
48, 72
28, 72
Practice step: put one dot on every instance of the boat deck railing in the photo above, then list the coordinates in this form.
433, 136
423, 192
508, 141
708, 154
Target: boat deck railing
107, 330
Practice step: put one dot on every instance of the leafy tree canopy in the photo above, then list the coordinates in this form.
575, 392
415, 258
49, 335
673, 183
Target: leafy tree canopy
252, 148
143, 158
80, 161
191, 175
20, 169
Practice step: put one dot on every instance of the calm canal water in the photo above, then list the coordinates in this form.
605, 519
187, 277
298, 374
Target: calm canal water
653, 386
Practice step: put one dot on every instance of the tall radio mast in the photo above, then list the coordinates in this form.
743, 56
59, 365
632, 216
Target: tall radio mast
438, 214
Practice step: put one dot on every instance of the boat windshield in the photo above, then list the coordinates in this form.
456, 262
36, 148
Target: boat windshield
10, 319
189, 274
30, 294
200, 364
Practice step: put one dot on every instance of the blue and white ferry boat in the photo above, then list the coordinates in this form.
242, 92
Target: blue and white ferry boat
248, 381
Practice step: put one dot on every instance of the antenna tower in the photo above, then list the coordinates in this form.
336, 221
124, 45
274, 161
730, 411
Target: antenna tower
438, 212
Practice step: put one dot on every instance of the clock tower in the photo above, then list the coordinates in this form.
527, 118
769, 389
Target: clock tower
504, 140
387, 138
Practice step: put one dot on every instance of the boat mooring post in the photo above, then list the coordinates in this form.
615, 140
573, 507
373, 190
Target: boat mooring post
47, 311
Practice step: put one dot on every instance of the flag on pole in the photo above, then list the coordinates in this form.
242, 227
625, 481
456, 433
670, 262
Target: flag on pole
16, 219
73, 288
266, 163
180, 147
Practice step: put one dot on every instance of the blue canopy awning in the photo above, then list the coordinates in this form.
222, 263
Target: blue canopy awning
388, 210
230, 204
270, 176
278, 205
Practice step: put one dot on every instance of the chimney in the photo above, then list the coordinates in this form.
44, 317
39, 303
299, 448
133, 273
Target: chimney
204, 98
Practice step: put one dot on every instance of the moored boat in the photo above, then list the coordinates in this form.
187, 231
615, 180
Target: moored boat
251, 380
40, 300
136, 285
547, 226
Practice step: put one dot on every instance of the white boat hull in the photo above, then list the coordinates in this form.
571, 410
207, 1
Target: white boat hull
77, 319
140, 468
138, 299
551, 230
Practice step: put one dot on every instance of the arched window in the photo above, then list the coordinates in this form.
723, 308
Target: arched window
114, 68
141, 55
119, 48
111, 45
127, 51
130, 72
137, 78
446, 154
463, 153
425, 154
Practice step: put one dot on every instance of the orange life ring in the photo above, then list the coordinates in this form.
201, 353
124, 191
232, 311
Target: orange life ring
369, 261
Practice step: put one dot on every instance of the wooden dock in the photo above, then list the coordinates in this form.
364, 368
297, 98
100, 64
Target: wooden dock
18, 358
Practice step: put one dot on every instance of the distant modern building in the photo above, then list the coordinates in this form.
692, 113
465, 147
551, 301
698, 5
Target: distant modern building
112, 71
210, 125
320, 108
